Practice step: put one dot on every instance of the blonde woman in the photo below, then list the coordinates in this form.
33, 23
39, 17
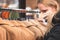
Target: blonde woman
53, 19
49, 8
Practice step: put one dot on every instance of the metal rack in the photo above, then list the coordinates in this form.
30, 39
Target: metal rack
19, 11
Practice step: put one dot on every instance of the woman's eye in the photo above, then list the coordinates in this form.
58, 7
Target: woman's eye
43, 11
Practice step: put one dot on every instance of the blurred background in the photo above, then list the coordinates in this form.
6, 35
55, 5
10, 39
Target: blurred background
17, 4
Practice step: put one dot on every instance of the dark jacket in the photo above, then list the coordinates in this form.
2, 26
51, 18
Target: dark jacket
54, 33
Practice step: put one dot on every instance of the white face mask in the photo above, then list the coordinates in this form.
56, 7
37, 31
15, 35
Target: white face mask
47, 13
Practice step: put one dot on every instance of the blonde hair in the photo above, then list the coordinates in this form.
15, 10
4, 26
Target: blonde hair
51, 3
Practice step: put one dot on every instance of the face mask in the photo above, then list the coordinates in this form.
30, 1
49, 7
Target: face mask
47, 13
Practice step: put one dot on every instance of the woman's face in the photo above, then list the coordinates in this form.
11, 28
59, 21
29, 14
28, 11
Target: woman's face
46, 10
43, 8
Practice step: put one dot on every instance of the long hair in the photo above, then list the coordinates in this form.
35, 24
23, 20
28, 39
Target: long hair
51, 3
55, 4
54, 18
